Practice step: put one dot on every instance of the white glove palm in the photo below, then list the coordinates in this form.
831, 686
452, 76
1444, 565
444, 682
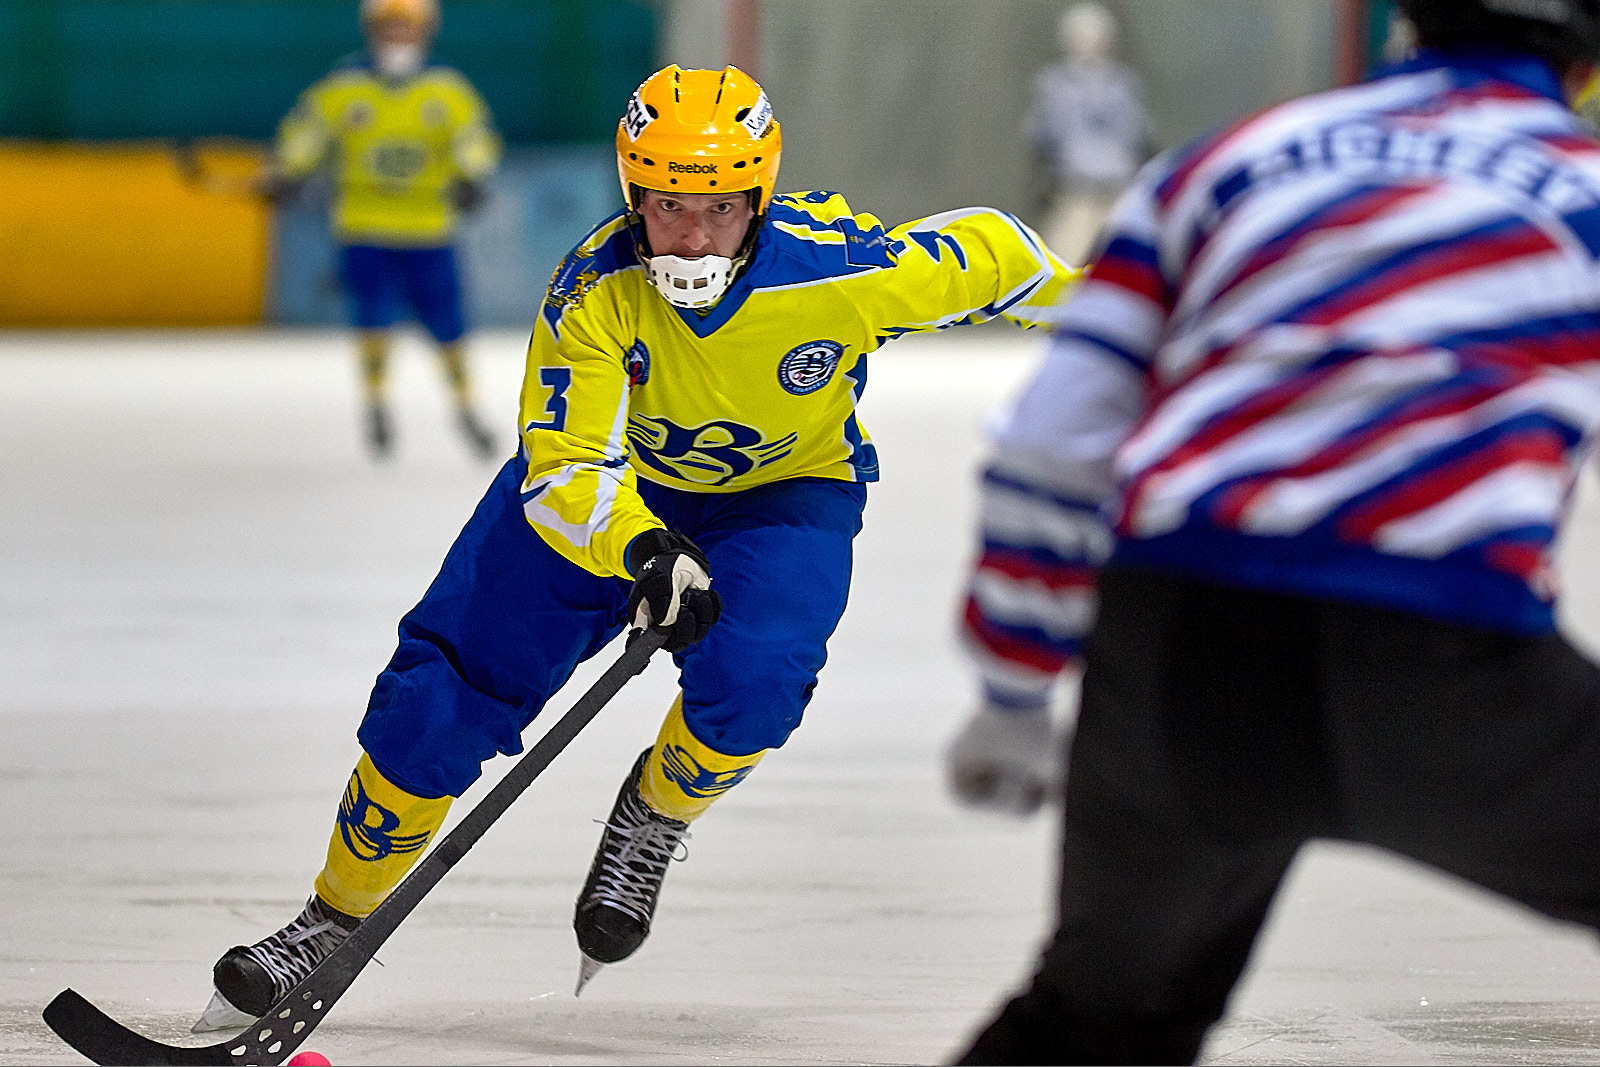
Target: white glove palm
1005, 760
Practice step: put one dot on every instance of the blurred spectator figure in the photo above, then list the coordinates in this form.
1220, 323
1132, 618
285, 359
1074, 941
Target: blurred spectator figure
1400, 38
409, 146
1587, 104
1088, 129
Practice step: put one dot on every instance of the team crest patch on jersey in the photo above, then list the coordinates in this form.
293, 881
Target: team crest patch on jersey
637, 361
368, 828
685, 772
397, 160
434, 112
359, 115
808, 367
571, 281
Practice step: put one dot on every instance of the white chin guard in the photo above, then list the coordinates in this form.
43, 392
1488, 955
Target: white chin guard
398, 60
691, 283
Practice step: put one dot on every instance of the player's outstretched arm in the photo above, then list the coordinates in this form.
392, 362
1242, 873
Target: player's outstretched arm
1046, 531
968, 266
475, 148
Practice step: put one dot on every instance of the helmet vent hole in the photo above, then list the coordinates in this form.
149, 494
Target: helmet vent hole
650, 109
756, 160
741, 114
713, 183
673, 180
633, 155
739, 165
647, 161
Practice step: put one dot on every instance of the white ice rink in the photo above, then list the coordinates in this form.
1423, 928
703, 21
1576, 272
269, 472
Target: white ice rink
200, 575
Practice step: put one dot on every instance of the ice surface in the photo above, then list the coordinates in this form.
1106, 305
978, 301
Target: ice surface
200, 574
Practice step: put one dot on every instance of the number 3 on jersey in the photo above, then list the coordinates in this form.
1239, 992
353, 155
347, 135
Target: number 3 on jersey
558, 380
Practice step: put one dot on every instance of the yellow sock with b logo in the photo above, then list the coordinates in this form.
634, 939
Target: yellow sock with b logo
683, 776
380, 833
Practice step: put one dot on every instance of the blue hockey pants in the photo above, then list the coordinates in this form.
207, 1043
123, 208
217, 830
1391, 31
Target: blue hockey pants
508, 618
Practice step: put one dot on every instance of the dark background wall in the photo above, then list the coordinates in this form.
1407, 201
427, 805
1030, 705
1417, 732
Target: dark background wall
909, 106
551, 70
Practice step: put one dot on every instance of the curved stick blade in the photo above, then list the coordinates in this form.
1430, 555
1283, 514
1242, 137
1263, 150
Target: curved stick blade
104, 1040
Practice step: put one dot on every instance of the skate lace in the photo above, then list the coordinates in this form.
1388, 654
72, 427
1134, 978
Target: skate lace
293, 952
636, 857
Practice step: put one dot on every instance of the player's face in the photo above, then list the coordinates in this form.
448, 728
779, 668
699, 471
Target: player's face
691, 225
401, 31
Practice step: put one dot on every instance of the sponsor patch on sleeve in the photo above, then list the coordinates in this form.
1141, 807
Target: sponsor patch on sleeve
637, 117
760, 116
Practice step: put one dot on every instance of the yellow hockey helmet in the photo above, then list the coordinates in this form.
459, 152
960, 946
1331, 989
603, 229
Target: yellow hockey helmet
424, 13
699, 131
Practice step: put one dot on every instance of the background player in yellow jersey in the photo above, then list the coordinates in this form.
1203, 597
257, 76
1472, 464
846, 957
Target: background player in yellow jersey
690, 451
410, 146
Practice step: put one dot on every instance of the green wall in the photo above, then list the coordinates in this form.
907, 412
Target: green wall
551, 70
1379, 14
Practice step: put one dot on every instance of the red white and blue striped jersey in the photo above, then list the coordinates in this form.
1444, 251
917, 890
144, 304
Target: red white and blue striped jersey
1348, 348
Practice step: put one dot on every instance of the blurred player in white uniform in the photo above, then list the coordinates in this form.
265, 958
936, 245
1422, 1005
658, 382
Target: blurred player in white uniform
1088, 130
1308, 431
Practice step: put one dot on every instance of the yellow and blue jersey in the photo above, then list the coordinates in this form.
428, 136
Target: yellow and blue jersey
622, 385
395, 147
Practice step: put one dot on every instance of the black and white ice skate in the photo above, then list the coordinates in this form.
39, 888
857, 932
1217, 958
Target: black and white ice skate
250, 979
619, 899
479, 438
292, 1019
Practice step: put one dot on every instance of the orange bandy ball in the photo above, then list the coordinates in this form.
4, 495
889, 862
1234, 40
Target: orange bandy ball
309, 1059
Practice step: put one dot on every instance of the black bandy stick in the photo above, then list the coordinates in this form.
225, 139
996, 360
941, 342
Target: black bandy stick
193, 170
274, 1037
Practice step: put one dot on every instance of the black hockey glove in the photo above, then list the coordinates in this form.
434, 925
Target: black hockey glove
468, 196
671, 588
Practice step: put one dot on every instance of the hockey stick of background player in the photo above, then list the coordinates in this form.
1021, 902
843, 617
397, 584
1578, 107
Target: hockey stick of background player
193, 169
274, 1037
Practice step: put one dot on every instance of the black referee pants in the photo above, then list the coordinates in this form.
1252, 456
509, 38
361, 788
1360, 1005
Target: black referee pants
1221, 729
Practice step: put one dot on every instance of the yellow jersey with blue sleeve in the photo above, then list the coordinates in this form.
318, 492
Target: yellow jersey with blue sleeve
763, 386
395, 146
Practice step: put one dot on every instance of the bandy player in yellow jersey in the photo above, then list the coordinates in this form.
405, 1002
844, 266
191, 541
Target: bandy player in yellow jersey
691, 460
410, 146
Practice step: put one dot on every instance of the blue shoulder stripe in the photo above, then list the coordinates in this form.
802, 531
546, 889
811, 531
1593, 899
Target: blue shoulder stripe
842, 247
584, 268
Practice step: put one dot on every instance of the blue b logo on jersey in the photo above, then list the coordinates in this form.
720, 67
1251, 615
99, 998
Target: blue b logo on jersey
808, 367
713, 453
368, 828
685, 772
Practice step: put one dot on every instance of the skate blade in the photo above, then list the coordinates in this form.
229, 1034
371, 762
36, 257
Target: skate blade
587, 969
220, 1015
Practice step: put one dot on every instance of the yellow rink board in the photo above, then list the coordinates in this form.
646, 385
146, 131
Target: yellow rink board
112, 235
